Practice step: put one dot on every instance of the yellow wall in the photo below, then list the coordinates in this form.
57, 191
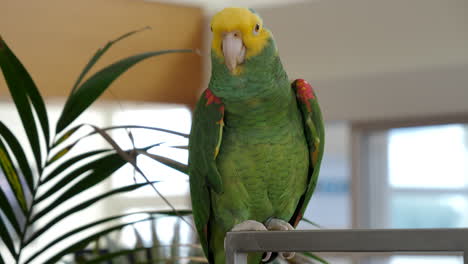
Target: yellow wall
56, 38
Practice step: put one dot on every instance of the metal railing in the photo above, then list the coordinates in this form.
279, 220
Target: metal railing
238, 244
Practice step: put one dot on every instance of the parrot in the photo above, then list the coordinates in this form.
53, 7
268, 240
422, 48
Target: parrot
256, 140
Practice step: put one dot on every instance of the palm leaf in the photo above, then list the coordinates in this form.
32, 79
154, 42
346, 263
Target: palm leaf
60, 154
101, 52
175, 259
12, 176
23, 90
8, 211
180, 147
139, 244
315, 257
156, 249
88, 167
143, 127
112, 255
92, 88
166, 161
175, 251
84, 242
100, 164
65, 165
18, 152
105, 220
82, 206
311, 222
132, 161
71, 131
5, 236
66, 135
107, 165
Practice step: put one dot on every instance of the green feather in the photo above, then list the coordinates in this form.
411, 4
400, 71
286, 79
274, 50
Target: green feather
254, 150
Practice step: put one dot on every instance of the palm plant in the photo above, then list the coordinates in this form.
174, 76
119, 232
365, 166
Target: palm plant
154, 251
29, 184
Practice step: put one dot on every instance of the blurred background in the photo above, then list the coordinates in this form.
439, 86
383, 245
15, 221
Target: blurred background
391, 76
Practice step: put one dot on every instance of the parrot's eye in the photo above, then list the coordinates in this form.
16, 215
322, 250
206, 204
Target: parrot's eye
211, 28
256, 29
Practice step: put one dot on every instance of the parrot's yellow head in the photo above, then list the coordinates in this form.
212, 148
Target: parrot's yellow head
238, 34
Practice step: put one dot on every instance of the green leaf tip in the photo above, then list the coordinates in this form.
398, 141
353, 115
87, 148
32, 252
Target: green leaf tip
6, 165
89, 91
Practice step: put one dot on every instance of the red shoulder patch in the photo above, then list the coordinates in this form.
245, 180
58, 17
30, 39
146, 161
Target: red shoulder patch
211, 98
304, 92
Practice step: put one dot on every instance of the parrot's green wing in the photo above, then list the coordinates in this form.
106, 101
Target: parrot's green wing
204, 144
315, 136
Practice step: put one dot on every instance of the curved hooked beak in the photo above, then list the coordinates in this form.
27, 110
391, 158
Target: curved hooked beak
233, 50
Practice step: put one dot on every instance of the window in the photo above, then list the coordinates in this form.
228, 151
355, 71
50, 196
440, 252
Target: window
428, 176
332, 189
176, 118
416, 177
172, 184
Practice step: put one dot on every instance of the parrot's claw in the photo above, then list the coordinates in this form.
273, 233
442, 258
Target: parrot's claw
266, 257
276, 224
251, 225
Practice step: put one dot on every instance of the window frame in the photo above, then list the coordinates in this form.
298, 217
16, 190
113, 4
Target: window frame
362, 165
359, 134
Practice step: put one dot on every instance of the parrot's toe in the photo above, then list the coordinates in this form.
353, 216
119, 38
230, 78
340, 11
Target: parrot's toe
287, 255
276, 224
249, 225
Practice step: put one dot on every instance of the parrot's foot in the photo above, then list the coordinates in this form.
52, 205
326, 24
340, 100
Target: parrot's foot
251, 225
276, 224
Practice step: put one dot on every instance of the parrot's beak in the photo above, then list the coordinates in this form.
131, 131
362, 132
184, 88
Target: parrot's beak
233, 50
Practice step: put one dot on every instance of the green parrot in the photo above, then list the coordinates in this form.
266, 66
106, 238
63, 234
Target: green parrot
256, 141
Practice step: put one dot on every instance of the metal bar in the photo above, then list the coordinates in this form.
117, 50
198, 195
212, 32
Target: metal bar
345, 240
236, 257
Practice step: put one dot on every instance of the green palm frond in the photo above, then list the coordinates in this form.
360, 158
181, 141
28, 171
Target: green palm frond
40, 188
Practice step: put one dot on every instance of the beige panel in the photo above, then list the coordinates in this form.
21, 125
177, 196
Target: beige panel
438, 93
378, 60
56, 38
334, 38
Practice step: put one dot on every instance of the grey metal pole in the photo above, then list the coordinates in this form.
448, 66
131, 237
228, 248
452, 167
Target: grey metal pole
234, 256
346, 240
